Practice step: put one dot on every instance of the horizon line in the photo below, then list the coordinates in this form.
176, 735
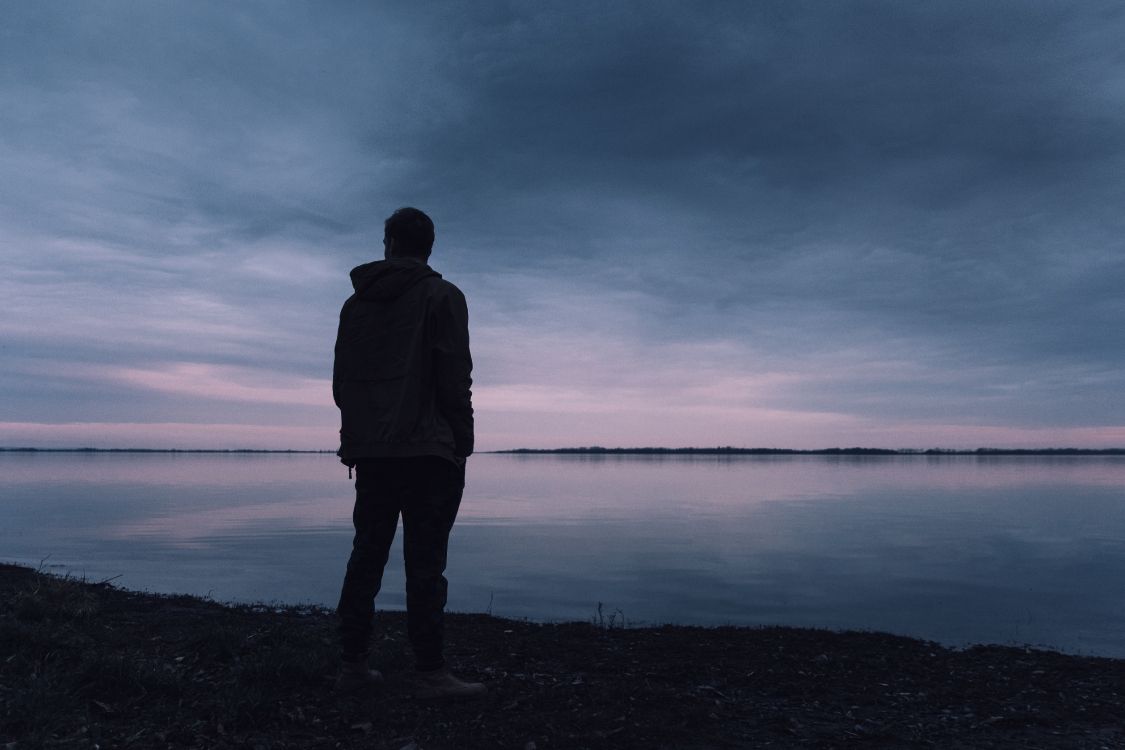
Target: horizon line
650, 450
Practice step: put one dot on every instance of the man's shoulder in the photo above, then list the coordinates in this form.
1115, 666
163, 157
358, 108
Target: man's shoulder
440, 286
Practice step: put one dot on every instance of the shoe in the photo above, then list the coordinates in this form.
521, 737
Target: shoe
440, 683
356, 676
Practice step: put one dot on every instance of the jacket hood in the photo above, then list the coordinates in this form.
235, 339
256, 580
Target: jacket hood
385, 280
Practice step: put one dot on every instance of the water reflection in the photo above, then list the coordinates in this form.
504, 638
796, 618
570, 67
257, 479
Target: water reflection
958, 549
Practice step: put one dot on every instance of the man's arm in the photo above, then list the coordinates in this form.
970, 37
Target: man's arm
336, 357
453, 367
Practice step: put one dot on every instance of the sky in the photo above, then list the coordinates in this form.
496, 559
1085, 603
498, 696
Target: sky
772, 224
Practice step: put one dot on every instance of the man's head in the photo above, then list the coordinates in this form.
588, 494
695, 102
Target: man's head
408, 233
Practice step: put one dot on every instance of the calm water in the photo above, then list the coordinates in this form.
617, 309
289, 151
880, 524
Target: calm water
955, 549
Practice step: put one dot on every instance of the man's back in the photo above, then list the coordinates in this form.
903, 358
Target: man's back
401, 376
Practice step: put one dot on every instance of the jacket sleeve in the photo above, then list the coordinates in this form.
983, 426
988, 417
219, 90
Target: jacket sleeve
336, 363
453, 367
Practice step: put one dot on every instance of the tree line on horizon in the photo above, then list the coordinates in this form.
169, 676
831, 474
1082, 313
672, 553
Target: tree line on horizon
853, 451
726, 450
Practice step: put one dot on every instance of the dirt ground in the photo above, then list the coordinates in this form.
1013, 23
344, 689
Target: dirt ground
88, 665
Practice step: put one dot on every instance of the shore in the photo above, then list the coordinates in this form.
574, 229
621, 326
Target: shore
89, 665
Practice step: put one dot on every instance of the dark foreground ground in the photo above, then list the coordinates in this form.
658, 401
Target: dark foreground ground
88, 665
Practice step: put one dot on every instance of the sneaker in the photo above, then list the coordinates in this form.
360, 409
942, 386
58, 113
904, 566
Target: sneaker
440, 683
356, 676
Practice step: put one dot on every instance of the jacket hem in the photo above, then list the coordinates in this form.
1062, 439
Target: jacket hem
396, 450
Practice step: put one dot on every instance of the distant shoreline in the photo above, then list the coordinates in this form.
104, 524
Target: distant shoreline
730, 451
652, 451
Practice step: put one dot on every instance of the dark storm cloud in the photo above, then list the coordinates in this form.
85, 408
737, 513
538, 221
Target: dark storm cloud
909, 210
795, 95
814, 178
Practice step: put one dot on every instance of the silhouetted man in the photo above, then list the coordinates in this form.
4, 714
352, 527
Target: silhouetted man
402, 382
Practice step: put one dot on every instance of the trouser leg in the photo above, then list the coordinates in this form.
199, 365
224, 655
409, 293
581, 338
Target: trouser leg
375, 518
427, 519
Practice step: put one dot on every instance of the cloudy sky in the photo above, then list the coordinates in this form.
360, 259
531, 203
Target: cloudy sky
779, 224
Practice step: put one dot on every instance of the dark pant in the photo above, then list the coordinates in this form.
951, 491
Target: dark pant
426, 490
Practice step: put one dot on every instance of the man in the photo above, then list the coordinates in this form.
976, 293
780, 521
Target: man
402, 381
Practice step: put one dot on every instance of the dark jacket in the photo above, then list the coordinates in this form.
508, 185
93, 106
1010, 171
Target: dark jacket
402, 371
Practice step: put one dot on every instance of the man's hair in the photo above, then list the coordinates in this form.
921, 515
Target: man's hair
412, 231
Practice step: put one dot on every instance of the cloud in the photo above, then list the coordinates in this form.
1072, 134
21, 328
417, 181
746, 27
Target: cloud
829, 219
227, 384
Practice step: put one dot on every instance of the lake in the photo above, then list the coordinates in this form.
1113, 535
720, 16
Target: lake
958, 549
